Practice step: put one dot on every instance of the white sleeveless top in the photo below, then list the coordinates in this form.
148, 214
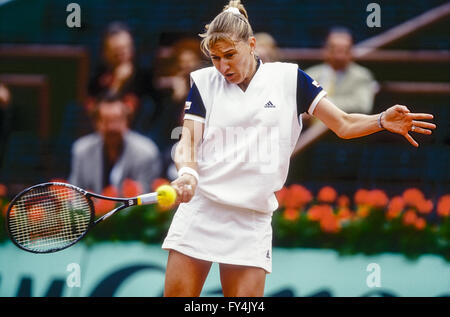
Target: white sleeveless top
249, 136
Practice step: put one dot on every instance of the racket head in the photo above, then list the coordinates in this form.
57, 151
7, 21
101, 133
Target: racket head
49, 217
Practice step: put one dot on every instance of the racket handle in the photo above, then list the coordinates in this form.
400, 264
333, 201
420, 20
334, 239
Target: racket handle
147, 199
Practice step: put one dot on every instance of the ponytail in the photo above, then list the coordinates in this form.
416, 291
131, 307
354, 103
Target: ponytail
230, 25
238, 5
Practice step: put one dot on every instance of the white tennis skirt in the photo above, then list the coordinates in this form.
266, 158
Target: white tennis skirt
214, 232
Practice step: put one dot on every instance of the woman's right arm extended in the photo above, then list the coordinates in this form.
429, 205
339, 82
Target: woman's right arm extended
186, 156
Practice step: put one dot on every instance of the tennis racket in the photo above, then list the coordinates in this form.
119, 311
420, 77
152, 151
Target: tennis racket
50, 217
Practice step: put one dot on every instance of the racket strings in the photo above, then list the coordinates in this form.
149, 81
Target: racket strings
44, 220
49, 217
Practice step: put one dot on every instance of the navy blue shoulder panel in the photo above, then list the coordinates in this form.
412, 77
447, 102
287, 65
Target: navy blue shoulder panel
307, 91
194, 104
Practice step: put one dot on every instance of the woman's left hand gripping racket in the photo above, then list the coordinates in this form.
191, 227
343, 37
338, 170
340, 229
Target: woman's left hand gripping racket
53, 216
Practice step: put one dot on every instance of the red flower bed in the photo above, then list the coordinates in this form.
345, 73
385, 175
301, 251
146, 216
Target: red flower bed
369, 221
409, 223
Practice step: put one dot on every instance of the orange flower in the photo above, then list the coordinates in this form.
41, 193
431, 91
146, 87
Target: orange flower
131, 188
361, 196
443, 206
425, 206
377, 198
409, 218
397, 203
392, 213
159, 182
297, 197
3, 190
303, 194
281, 195
420, 223
327, 194
291, 214
103, 206
343, 201
395, 207
344, 213
316, 212
329, 223
413, 197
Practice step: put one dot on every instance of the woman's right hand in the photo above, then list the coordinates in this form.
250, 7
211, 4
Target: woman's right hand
185, 186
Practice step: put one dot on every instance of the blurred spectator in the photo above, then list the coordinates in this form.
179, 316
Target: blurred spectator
5, 112
349, 85
186, 57
119, 74
266, 48
113, 153
175, 81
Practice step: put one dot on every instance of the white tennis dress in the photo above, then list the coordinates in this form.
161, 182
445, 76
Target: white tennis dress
243, 160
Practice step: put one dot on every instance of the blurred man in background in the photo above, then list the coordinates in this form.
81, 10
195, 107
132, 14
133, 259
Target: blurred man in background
349, 85
113, 153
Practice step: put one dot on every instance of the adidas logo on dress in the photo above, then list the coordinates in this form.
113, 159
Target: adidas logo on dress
269, 105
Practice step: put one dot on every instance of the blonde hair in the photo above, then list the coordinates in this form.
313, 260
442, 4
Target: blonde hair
227, 26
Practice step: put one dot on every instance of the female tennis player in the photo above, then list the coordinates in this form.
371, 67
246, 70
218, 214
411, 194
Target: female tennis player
226, 186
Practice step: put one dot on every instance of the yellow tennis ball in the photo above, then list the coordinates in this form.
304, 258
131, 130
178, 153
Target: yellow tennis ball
166, 195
